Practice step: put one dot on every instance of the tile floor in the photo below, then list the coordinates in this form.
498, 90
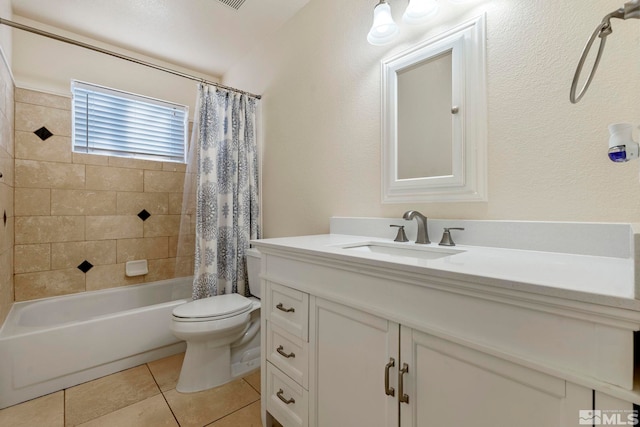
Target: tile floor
140, 397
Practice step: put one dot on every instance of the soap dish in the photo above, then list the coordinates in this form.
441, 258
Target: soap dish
136, 268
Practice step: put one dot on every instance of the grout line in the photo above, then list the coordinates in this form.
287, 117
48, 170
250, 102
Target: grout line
162, 394
257, 391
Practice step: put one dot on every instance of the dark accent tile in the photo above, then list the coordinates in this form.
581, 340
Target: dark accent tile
4, 217
85, 266
144, 215
43, 133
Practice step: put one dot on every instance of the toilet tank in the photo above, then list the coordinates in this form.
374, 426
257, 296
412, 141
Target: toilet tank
253, 271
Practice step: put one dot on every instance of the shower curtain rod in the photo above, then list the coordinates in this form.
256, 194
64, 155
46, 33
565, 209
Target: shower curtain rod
117, 55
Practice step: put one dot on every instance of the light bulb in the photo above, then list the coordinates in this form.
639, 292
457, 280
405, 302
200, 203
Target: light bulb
420, 11
383, 29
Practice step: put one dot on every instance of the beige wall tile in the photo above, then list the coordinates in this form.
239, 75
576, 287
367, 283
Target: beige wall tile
72, 254
45, 99
153, 411
116, 179
93, 399
161, 269
32, 201
44, 411
6, 201
175, 203
90, 159
30, 117
43, 284
174, 167
31, 258
37, 174
6, 283
184, 266
148, 248
198, 409
162, 225
83, 202
114, 227
6, 167
130, 203
159, 181
186, 243
126, 162
7, 234
47, 229
109, 276
54, 149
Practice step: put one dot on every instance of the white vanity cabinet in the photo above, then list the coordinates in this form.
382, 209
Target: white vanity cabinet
375, 345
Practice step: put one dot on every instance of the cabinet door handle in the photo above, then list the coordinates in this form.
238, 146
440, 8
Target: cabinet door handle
283, 354
286, 310
389, 391
404, 398
286, 401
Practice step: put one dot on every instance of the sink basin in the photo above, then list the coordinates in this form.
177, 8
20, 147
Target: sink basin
404, 251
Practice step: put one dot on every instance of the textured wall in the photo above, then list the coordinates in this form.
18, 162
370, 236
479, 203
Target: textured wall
71, 208
6, 189
546, 158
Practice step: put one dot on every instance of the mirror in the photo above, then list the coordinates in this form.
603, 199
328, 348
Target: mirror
434, 119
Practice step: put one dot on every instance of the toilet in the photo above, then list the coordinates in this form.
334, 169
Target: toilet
222, 335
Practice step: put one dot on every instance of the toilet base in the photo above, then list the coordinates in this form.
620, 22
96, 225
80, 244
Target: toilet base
204, 367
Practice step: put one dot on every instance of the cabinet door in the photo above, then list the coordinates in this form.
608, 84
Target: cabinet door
451, 385
350, 350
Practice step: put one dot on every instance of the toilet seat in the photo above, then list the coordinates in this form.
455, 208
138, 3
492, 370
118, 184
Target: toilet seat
212, 308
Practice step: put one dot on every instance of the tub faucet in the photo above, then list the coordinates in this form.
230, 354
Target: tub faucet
423, 235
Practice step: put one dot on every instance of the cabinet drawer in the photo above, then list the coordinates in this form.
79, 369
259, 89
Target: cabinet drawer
289, 309
289, 353
287, 401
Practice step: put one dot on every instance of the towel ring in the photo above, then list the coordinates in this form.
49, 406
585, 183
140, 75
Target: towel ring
602, 31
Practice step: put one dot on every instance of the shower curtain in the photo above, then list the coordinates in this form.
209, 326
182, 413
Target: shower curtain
223, 167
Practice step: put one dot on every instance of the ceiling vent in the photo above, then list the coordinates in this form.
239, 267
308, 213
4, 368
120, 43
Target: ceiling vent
234, 4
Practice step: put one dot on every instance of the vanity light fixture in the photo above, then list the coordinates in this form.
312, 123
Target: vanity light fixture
384, 29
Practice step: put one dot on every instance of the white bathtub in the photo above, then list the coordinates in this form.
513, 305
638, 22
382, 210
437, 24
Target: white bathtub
54, 343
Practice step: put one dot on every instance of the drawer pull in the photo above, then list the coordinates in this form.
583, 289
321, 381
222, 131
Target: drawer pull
286, 401
389, 390
404, 398
283, 354
286, 310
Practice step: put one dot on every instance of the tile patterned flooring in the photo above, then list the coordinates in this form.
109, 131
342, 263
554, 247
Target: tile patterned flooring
140, 397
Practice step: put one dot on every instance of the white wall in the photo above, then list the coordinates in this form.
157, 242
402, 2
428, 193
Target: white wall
5, 32
47, 65
546, 159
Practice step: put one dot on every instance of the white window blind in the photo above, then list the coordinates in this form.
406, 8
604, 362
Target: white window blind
116, 123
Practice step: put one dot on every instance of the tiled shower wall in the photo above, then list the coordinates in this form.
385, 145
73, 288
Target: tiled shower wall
80, 217
6, 189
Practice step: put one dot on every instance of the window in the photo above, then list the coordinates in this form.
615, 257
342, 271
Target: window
111, 122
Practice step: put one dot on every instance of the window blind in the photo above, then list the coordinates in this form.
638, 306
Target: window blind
112, 122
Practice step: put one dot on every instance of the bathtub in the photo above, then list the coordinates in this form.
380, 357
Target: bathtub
54, 343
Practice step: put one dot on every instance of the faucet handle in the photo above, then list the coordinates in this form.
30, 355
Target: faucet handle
446, 237
401, 236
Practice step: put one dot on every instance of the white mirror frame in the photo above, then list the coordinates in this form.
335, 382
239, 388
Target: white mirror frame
468, 181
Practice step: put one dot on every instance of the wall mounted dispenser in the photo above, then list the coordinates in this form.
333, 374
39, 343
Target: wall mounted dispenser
622, 147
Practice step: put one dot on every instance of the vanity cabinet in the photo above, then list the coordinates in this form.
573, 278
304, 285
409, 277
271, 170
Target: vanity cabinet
348, 344
374, 372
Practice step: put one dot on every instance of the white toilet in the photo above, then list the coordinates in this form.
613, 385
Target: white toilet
222, 335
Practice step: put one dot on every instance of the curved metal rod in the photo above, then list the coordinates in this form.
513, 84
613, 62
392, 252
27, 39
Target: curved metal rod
602, 31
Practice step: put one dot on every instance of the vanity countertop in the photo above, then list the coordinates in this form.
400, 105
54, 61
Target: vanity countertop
607, 281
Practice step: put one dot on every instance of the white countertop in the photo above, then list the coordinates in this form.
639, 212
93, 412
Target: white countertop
594, 279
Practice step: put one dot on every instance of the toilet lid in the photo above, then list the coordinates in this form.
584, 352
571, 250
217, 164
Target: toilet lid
218, 306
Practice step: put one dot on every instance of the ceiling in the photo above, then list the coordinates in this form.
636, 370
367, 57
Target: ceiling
206, 36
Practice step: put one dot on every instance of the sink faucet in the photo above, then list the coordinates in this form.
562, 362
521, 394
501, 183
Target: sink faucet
423, 235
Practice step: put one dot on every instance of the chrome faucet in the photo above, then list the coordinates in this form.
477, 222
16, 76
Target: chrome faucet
423, 235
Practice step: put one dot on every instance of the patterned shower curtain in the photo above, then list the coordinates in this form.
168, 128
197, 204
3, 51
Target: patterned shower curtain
227, 206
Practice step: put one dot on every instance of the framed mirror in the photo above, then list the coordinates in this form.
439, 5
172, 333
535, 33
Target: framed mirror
434, 119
